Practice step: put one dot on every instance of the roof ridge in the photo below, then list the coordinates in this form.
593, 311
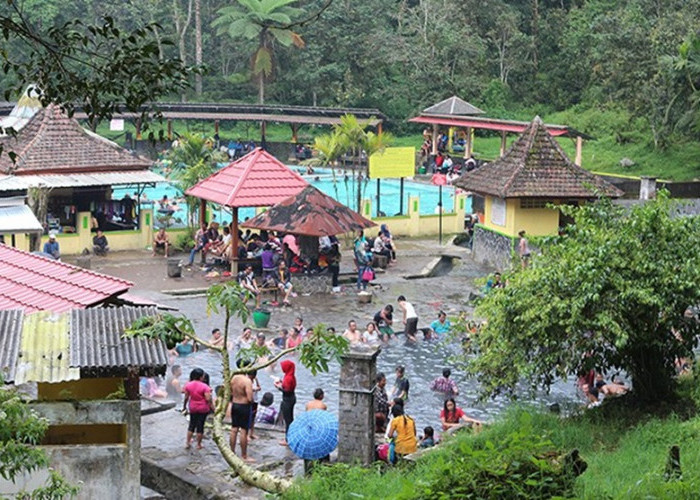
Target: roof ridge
528, 140
252, 158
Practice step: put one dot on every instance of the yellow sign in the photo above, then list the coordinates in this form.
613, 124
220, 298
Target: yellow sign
393, 163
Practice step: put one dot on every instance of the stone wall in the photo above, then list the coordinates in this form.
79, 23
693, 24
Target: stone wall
492, 248
312, 283
104, 471
356, 406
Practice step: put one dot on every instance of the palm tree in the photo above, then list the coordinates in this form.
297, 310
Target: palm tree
194, 158
268, 21
350, 137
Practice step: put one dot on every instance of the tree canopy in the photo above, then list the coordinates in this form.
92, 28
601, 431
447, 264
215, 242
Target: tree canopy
611, 294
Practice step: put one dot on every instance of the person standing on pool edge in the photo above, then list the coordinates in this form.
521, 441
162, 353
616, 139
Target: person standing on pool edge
410, 318
287, 385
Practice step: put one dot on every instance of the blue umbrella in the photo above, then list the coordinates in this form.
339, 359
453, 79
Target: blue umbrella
313, 434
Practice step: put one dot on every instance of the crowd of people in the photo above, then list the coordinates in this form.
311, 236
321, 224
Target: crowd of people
365, 250
246, 407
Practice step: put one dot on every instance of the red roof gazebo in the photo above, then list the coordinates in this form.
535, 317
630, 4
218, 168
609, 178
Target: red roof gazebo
256, 180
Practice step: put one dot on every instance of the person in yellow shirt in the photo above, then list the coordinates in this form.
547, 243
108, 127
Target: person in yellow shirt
403, 429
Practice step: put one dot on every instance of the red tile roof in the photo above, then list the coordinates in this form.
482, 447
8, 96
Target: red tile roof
256, 180
310, 213
53, 143
35, 283
535, 166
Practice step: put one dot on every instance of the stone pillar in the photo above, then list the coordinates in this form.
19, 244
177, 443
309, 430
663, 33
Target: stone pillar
146, 227
84, 231
356, 406
647, 188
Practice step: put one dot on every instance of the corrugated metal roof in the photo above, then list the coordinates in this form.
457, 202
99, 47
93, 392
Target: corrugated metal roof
22, 182
44, 349
99, 348
10, 336
18, 219
495, 124
35, 283
256, 180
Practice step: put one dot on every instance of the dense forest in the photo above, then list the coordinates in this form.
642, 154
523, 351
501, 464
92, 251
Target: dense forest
625, 67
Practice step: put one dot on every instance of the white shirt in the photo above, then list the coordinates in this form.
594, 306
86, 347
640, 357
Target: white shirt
371, 338
410, 311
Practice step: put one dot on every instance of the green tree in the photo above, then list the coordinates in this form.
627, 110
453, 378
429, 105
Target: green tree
99, 67
315, 353
608, 295
194, 159
267, 21
352, 139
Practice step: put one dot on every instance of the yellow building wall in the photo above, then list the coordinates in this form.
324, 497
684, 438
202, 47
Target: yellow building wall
415, 224
83, 389
534, 221
74, 243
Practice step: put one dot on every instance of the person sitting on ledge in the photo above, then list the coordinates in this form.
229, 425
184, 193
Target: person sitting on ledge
161, 241
99, 244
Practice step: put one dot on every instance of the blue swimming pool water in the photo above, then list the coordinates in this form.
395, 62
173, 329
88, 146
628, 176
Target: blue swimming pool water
337, 187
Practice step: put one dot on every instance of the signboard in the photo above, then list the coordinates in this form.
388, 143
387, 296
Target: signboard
116, 124
393, 163
498, 211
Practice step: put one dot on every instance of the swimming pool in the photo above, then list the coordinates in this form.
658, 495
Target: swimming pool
340, 187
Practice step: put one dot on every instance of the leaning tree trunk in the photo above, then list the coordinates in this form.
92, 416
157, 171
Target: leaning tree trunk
38, 201
259, 479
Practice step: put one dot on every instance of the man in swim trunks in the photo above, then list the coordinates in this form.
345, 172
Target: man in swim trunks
241, 406
383, 321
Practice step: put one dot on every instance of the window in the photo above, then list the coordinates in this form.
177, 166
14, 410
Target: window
534, 203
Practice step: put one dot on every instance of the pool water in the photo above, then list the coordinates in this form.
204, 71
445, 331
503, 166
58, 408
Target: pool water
423, 360
337, 187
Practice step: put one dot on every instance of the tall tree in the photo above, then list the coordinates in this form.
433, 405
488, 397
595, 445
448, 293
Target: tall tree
267, 21
198, 45
611, 294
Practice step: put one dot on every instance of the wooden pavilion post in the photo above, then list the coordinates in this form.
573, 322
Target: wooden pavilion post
216, 127
138, 129
468, 146
295, 132
234, 239
170, 129
379, 128
435, 134
503, 142
202, 211
579, 150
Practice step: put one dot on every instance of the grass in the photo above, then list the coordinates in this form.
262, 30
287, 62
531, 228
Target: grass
679, 162
626, 450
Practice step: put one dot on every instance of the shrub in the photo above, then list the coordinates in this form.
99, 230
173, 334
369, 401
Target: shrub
184, 241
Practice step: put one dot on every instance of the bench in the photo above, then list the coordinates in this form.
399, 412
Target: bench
270, 289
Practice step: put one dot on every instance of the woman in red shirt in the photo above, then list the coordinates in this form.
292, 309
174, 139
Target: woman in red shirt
198, 394
452, 416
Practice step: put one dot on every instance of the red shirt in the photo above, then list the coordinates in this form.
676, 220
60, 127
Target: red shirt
197, 391
453, 417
